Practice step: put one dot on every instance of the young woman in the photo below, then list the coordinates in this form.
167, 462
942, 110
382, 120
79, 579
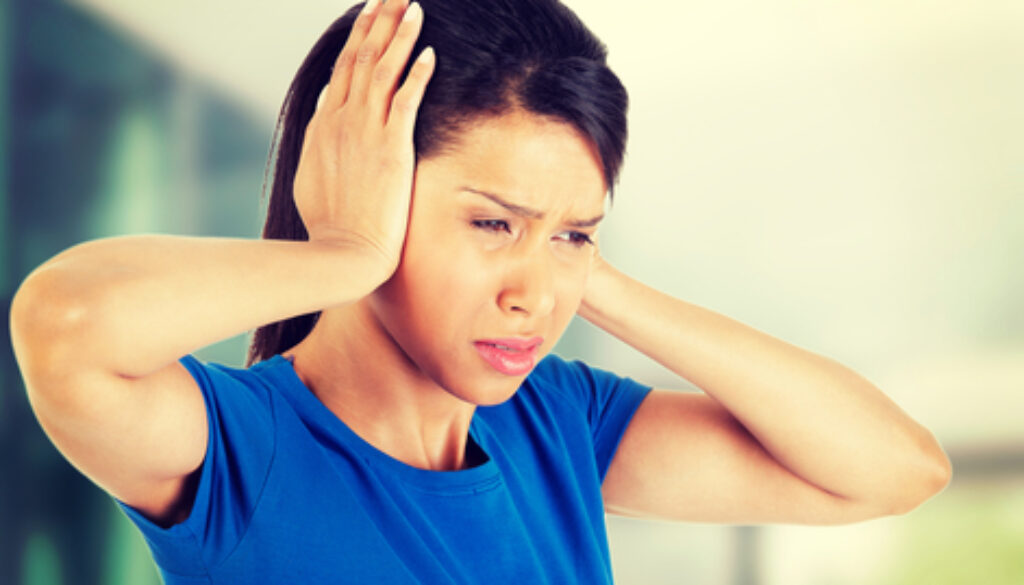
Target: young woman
431, 232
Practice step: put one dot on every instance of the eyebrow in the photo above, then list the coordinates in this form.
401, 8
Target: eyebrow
532, 213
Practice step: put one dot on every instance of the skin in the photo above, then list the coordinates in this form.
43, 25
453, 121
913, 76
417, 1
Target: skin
510, 275
780, 434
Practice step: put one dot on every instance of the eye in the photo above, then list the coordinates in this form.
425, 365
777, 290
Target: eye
491, 225
578, 239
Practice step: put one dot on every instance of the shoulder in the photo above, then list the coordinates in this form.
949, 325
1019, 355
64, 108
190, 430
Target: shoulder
235, 387
243, 408
554, 368
587, 407
556, 374
592, 389
241, 443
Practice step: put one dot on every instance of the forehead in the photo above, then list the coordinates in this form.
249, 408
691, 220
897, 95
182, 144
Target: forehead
534, 161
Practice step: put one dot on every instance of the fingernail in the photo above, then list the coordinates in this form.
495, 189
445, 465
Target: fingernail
427, 55
413, 11
370, 6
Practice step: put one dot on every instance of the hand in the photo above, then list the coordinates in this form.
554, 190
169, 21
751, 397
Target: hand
597, 286
354, 179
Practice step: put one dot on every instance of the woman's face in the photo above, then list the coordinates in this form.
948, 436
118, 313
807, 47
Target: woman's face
497, 254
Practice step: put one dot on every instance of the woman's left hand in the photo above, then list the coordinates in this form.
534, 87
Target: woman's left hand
600, 278
781, 435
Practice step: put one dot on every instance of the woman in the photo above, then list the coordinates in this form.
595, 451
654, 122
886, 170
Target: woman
400, 422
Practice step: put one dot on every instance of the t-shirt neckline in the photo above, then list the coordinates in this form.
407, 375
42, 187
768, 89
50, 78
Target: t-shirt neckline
314, 412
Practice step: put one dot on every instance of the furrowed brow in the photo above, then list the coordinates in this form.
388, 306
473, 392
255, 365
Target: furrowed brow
585, 223
532, 213
516, 209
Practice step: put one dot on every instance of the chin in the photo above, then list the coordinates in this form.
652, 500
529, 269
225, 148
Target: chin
490, 389
496, 398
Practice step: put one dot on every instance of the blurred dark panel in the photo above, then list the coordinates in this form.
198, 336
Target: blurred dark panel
72, 85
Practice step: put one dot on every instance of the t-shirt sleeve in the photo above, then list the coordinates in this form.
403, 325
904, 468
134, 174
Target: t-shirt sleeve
239, 452
607, 400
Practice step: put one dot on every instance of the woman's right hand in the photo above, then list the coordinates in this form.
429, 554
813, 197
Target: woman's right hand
354, 180
98, 329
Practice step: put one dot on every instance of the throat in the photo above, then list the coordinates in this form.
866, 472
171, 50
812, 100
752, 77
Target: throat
358, 372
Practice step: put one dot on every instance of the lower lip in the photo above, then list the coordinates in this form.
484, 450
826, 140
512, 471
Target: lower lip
506, 361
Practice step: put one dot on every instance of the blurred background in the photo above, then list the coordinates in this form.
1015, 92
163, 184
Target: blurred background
848, 176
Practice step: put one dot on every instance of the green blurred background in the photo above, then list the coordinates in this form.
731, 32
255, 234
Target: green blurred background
847, 176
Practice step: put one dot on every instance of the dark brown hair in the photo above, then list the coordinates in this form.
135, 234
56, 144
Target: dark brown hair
493, 56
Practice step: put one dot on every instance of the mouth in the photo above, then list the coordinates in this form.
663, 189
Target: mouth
510, 356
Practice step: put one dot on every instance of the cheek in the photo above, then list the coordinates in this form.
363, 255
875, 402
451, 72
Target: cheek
445, 284
571, 295
569, 287
438, 282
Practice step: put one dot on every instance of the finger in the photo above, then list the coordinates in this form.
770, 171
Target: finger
341, 75
392, 63
373, 47
406, 101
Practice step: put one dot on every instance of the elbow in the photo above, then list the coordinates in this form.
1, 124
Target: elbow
46, 318
903, 484
933, 479
922, 479
942, 471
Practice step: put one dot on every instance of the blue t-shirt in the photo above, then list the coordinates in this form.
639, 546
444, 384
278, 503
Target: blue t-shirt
289, 494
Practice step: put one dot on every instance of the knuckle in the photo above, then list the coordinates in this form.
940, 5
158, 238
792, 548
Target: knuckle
344, 60
383, 73
364, 22
367, 54
345, 124
403, 104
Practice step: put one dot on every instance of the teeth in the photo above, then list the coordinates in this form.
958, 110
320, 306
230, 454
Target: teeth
505, 347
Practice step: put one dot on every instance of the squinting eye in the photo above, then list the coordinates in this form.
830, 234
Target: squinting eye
578, 239
491, 225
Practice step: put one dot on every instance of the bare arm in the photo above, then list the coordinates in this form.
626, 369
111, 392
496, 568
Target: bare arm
98, 329
132, 305
781, 435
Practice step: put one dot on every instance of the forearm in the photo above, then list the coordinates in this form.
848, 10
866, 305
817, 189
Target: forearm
816, 417
131, 305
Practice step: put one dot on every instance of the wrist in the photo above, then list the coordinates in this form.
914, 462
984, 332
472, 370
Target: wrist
604, 283
372, 258
356, 262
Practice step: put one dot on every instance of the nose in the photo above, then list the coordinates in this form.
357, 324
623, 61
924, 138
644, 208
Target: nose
529, 285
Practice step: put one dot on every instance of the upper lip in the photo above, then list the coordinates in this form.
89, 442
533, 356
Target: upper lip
515, 343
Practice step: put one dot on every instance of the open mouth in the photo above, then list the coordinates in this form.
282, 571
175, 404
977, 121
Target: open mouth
512, 357
502, 347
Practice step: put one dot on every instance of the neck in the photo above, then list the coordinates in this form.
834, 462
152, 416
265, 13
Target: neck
352, 364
